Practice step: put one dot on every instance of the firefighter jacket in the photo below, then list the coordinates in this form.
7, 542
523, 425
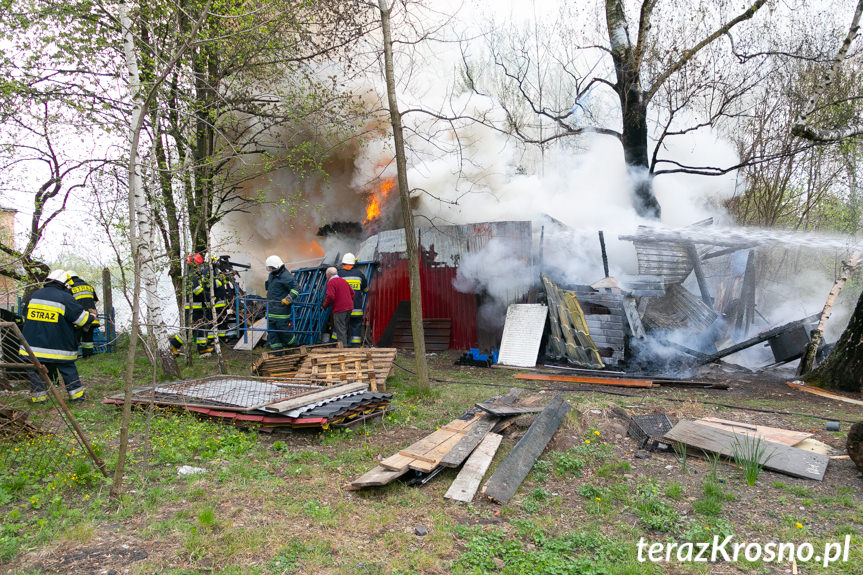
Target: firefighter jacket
223, 287
280, 284
358, 283
198, 286
83, 293
50, 318
339, 295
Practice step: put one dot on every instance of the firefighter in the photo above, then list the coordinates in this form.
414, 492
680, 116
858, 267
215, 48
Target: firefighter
85, 295
198, 291
281, 292
223, 288
357, 280
51, 316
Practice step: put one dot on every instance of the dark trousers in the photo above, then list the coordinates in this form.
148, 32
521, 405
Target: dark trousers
340, 326
201, 328
279, 334
87, 347
66, 369
356, 330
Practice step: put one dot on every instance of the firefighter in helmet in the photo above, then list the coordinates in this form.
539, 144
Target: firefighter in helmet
85, 295
281, 292
51, 316
357, 280
197, 303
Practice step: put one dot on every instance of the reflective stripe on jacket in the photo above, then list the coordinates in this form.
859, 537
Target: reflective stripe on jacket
50, 319
280, 284
357, 280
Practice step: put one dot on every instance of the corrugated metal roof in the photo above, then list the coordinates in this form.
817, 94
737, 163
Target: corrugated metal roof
443, 248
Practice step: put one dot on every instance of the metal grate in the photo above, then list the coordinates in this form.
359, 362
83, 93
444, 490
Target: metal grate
647, 428
225, 391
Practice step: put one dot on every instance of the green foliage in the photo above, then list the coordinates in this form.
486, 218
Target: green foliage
180, 439
654, 513
750, 455
567, 463
535, 500
492, 551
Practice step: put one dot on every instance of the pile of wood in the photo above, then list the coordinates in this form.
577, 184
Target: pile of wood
14, 423
287, 362
473, 440
329, 365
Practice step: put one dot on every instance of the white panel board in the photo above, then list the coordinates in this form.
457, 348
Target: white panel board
522, 333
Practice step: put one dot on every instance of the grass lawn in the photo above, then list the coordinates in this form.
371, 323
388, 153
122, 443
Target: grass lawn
276, 503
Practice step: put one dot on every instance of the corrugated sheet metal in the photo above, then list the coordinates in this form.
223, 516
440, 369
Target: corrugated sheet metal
442, 249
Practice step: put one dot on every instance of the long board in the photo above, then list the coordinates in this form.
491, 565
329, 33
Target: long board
467, 482
586, 379
776, 434
252, 338
376, 477
825, 393
507, 478
776, 456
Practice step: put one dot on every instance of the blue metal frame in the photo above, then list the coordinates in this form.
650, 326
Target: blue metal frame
307, 317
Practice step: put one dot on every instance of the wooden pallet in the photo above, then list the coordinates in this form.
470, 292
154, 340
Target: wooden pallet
371, 365
286, 363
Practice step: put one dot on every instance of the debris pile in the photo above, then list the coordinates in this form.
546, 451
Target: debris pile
473, 440
328, 387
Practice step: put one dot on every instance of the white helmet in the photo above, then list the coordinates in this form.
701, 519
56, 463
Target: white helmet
274, 262
59, 276
349, 259
71, 274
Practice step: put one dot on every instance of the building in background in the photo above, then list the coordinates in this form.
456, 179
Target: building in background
8, 286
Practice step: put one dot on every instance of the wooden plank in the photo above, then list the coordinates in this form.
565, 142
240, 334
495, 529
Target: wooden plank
376, 477
405, 457
252, 337
824, 393
776, 457
511, 472
507, 410
327, 393
397, 462
432, 459
775, 434
467, 482
586, 379
469, 441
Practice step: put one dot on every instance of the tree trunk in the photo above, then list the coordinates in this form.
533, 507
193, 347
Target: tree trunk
633, 108
407, 213
134, 188
808, 359
843, 368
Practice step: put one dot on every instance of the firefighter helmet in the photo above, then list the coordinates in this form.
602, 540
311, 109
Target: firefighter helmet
71, 274
59, 276
274, 262
349, 259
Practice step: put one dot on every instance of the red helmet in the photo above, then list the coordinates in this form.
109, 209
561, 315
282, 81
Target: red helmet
195, 258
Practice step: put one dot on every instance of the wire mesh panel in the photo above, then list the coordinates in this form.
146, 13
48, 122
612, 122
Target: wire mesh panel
42, 448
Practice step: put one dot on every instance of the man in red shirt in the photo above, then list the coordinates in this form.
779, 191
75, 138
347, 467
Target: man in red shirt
340, 297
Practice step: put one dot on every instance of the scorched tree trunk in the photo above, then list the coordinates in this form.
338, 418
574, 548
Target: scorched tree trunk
843, 368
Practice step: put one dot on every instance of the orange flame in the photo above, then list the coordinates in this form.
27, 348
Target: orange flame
376, 197
312, 249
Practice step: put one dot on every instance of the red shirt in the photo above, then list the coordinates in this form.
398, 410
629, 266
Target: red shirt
339, 295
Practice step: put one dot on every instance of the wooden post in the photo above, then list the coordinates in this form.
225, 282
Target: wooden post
699, 273
108, 306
